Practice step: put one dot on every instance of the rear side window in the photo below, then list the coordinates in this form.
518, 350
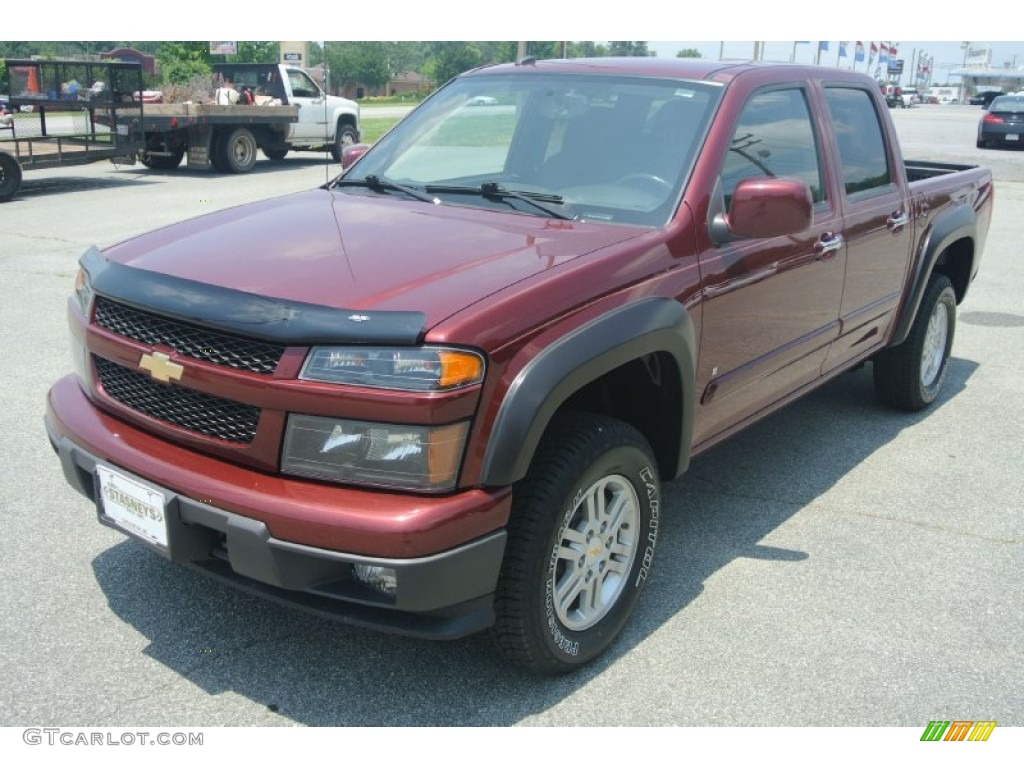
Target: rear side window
865, 163
774, 137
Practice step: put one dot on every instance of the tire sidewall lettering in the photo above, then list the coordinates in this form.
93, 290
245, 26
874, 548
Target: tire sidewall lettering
580, 645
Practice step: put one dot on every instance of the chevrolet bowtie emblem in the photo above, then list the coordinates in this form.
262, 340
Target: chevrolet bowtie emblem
160, 367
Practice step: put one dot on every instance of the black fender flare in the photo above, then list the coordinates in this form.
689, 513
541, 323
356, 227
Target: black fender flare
950, 226
645, 327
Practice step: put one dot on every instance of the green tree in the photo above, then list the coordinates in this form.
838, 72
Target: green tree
365, 63
587, 49
257, 52
182, 60
688, 53
627, 48
453, 58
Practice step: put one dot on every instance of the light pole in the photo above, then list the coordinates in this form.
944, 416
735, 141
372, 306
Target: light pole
963, 77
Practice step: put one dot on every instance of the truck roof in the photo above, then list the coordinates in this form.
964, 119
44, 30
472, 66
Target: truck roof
652, 66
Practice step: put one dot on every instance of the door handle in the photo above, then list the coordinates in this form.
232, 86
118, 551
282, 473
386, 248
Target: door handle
897, 221
828, 243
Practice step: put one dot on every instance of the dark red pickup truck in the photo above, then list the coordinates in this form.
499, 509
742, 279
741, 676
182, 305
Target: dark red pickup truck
440, 394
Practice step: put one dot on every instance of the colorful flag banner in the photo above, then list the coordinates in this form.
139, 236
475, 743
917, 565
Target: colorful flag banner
858, 54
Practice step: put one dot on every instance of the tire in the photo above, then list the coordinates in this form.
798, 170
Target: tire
568, 548
238, 151
162, 162
344, 136
217, 152
909, 376
277, 155
10, 176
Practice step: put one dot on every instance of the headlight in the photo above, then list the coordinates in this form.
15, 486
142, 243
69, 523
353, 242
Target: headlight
401, 456
83, 292
415, 369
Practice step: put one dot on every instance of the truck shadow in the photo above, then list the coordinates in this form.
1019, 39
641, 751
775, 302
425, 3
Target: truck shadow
67, 184
317, 672
262, 166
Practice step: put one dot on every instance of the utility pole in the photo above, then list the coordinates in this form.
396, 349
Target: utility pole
521, 50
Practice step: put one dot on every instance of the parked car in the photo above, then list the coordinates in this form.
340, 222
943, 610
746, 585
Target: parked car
910, 97
440, 393
984, 98
1002, 123
892, 93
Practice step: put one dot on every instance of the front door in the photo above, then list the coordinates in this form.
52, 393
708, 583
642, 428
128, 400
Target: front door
771, 306
312, 125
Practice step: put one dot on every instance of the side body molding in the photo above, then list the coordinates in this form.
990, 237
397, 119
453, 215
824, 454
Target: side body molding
645, 327
956, 224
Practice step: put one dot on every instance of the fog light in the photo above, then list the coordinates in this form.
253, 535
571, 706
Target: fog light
383, 580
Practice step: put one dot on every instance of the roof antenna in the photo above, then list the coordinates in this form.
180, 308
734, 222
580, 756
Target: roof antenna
526, 60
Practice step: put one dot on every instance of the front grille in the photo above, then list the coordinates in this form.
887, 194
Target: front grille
195, 411
191, 340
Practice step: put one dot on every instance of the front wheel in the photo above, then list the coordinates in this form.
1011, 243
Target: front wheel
581, 541
344, 136
910, 375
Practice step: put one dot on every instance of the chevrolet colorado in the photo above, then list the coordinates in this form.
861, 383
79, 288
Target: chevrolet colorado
440, 394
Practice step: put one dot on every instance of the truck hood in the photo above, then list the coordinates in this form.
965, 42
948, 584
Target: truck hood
356, 252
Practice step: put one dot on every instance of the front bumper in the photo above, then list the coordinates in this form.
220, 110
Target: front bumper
441, 594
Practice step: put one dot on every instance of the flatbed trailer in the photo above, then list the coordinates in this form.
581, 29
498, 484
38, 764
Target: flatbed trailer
223, 137
69, 112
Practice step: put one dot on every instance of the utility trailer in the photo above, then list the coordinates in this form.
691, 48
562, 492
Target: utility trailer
69, 112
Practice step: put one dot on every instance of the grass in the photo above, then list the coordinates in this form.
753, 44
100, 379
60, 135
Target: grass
375, 127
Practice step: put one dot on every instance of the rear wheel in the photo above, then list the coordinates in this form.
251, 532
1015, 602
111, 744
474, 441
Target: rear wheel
163, 162
10, 176
580, 544
909, 376
239, 150
217, 150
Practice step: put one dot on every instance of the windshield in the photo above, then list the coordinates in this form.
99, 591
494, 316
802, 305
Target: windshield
606, 148
1007, 104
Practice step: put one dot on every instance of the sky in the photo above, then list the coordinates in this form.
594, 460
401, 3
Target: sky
946, 55
652, 20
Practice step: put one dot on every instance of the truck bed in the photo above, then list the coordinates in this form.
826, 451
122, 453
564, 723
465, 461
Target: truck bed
218, 113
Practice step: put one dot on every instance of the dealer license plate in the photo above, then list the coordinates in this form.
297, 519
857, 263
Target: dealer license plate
1012, 136
133, 506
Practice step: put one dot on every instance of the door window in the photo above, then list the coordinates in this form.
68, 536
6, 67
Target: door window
774, 137
302, 85
865, 162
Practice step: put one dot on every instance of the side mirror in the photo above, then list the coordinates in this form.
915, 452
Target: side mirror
764, 207
352, 153
770, 207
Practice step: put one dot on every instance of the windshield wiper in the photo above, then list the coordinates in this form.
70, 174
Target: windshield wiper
378, 184
492, 189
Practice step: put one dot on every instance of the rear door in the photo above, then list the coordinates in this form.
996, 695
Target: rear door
877, 223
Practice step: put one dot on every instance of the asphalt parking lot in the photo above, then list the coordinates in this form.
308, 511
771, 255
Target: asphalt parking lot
836, 564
